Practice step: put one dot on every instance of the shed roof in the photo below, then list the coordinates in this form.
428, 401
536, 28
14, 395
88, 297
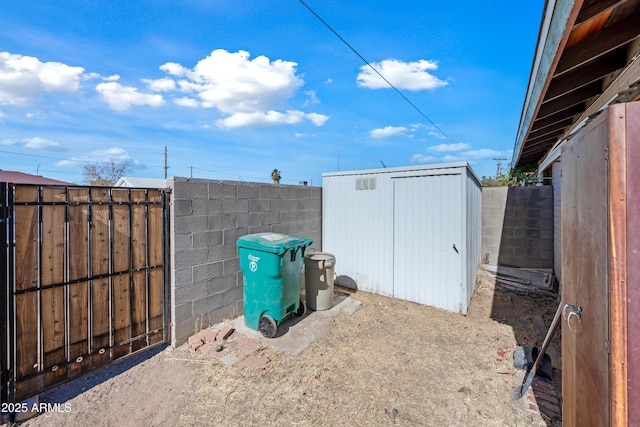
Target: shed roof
587, 58
15, 177
129, 181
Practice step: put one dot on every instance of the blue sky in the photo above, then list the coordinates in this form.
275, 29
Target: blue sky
234, 89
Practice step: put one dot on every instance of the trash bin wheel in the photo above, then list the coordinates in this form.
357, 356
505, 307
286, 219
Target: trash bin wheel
301, 309
267, 326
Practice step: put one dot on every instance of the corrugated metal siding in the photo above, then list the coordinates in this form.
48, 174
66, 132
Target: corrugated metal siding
556, 173
400, 243
473, 236
427, 225
358, 230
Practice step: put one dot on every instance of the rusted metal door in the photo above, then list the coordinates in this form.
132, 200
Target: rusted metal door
85, 281
585, 330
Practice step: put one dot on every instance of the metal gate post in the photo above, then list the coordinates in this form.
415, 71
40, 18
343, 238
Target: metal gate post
6, 273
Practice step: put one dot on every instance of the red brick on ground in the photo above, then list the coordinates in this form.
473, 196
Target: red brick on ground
246, 346
253, 362
195, 341
210, 350
224, 333
208, 335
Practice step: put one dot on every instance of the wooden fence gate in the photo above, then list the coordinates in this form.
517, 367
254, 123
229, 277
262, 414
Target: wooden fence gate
84, 274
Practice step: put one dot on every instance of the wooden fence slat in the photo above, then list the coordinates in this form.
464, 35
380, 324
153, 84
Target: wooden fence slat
139, 308
26, 346
101, 324
78, 328
52, 250
26, 237
156, 288
78, 235
53, 335
121, 313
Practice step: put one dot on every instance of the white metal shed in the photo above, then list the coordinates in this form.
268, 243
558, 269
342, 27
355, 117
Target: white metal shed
413, 233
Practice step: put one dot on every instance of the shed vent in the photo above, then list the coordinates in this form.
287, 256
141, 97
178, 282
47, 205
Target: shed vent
365, 183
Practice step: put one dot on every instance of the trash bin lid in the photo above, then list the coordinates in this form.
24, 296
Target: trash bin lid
275, 243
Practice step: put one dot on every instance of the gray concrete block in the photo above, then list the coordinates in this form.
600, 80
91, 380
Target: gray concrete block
280, 205
183, 330
248, 191
183, 241
268, 218
222, 221
316, 193
187, 294
222, 283
233, 295
547, 255
206, 239
208, 304
183, 276
183, 312
190, 190
223, 313
296, 228
282, 228
189, 224
190, 257
222, 252
259, 229
204, 272
270, 191
231, 266
207, 206
222, 190
533, 213
542, 224
181, 207
231, 236
246, 219
292, 192
260, 205
235, 205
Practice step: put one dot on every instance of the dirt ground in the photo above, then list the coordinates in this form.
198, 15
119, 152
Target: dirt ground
391, 362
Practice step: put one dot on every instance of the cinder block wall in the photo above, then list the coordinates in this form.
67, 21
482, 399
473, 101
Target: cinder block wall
517, 226
207, 217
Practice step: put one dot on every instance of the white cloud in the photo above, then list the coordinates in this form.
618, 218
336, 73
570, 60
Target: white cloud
268, 119
2, 116
486, 153
403, 75
313, 98
38, 143
317, 119
25, 78
185, 101
421, 158
436, 135
387, 132
447, 148
7, 141
233, 83
114, 153
160, 85
121, 98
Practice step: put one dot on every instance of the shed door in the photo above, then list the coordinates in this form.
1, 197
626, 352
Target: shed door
428, 245
585, 358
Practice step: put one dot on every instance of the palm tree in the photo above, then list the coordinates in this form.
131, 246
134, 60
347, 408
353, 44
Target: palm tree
275, 176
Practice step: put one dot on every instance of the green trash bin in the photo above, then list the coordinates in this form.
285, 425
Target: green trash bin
271, 265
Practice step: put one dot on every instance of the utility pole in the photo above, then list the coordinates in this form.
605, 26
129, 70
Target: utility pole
499, 170
191, 173
165, 162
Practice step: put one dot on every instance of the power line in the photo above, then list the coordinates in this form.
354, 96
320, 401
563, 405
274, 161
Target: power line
415, 107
